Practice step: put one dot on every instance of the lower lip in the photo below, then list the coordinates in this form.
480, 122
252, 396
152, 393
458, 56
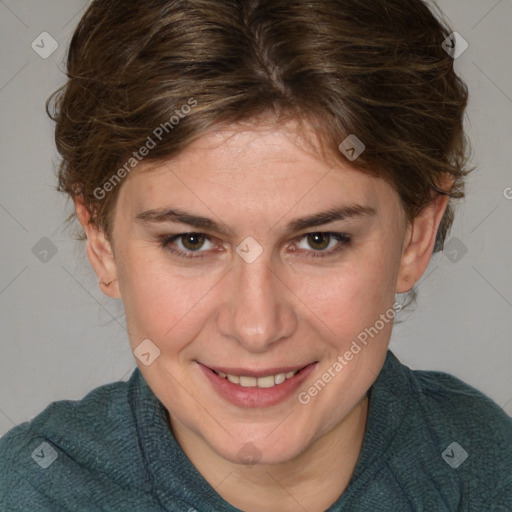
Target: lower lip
254, 396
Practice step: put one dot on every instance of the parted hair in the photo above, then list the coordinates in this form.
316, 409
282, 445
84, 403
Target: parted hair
169, 71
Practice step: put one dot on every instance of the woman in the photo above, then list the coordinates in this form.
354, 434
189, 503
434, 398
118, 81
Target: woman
257, 180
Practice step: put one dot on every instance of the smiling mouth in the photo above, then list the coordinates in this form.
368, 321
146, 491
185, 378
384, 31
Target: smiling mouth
266, 381
251, 388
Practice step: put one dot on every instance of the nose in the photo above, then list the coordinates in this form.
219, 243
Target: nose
258, 307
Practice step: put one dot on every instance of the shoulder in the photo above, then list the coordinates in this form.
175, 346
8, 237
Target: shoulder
462, 436
73, 443
67, 421
449, 404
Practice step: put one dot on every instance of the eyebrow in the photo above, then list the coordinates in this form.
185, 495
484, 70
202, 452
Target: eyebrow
331, 215
162, 215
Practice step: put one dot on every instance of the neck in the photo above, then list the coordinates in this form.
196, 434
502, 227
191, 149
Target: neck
312, 481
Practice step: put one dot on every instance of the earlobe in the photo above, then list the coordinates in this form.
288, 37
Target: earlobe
419, 243
99, 252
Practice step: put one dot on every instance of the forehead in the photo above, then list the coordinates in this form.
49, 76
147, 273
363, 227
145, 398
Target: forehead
254, 169
237, 148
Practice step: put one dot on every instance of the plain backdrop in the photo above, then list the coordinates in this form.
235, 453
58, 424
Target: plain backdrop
61, 337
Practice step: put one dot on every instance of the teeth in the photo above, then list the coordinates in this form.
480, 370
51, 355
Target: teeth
268, 381
281, 377
248, 382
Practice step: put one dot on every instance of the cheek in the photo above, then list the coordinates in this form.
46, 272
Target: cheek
350, 297
161, 303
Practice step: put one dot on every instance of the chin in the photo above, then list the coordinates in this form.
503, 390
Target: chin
265, 450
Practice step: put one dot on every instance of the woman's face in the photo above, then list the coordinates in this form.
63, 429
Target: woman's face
260, 289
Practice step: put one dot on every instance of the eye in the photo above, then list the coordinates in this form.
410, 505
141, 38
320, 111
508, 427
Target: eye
323, 244
192, 241
197, 245
186, 244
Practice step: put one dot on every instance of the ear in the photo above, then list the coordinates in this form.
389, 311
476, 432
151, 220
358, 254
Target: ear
419, 244
99, 252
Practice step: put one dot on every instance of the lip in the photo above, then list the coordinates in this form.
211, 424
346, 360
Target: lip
256, 397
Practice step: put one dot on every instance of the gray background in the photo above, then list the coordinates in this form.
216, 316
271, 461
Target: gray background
61, 337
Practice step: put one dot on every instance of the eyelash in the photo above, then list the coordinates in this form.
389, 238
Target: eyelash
343, 238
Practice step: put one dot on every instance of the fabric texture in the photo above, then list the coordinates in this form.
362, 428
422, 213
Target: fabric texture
432, 443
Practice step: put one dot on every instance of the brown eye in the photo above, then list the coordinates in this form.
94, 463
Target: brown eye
319, 241
188, 245
324, 244
193, 241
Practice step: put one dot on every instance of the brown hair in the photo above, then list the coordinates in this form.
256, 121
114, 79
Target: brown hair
374, 69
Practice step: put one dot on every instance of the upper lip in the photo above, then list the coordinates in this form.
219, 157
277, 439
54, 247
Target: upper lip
256, 373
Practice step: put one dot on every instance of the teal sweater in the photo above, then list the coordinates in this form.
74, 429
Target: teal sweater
432, 444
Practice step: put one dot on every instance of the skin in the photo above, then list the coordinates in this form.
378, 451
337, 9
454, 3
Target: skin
285, 308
